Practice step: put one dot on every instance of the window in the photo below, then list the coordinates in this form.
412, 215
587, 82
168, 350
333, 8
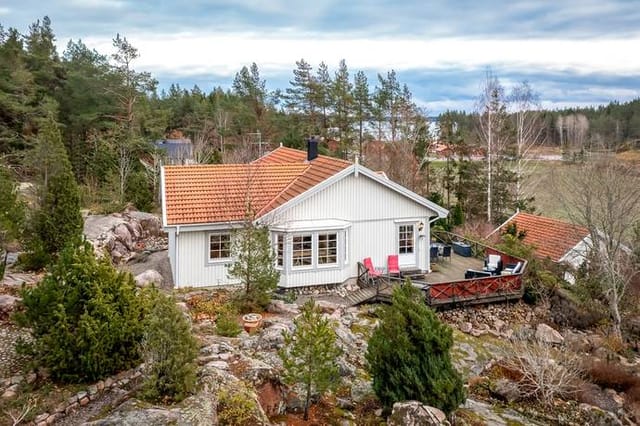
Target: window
405, 239
279, 250
302, 251
327, 249
219, 246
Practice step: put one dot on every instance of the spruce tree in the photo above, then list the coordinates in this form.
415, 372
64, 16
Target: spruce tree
408, 355
169, 350
58, 220
309, 355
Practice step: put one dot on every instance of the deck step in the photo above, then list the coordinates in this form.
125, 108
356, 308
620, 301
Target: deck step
360, 296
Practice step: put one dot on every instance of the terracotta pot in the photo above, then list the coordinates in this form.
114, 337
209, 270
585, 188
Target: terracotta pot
251, 322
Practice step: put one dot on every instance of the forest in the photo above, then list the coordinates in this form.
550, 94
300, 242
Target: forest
107, 114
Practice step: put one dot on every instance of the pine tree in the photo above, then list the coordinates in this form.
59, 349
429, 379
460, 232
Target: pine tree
169, 350
343, 104
408, 354
254, 265
362, 105
309, 354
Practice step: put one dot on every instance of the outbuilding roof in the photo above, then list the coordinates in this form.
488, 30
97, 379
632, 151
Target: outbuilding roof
552, 238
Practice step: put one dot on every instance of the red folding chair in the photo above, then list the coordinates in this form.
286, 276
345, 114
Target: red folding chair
373, 272
393, 266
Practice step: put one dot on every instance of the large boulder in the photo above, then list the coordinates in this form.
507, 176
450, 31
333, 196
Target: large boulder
149, 223
546, 334
415, 413
123, 234
148, 277
272, 338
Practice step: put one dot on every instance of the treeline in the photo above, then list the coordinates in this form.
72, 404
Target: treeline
615, 126
108, 113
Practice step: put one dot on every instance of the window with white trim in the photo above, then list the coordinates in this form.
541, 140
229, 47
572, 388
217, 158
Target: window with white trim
219, 246
279, 250
327, 249
302, 251
405, 239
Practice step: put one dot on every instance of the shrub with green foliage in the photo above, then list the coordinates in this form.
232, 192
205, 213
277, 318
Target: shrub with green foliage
169, 350
408, 354
11, 215
227, 322
309, 354
85, 317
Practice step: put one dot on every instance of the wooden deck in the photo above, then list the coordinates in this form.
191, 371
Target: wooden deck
446, 271
446, 284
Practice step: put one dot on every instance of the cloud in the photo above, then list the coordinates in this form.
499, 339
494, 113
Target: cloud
98, 4
4, 11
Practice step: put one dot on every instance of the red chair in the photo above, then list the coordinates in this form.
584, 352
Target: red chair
373, 272
393, 266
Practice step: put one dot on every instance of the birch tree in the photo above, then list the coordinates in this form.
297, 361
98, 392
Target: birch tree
529, 135
604, 197
491, 123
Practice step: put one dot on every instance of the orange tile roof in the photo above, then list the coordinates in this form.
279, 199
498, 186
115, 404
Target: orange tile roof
551, 238
223, 192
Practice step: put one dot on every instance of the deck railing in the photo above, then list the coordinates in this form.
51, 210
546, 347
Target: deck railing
475, 290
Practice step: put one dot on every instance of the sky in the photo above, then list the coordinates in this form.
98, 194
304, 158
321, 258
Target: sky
572, 52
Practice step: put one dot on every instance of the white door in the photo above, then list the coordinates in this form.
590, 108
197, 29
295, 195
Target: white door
407, 245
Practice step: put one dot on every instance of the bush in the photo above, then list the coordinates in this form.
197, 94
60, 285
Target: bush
169, 351
541, 372
408, 355
610, 375
237, 408
85, 317
227, 322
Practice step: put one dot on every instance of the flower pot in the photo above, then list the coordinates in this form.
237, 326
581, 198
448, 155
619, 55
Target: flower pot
251, 322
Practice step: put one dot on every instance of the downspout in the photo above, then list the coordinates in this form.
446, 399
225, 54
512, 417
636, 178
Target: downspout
175, 279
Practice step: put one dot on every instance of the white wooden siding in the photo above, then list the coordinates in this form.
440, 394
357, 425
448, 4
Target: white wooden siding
374, 212
194, 269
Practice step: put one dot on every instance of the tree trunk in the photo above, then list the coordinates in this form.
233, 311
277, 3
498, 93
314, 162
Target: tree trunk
307, 401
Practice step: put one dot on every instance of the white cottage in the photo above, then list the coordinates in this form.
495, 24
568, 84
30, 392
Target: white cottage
324, 215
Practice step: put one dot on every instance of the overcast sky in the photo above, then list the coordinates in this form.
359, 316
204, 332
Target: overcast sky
573, 52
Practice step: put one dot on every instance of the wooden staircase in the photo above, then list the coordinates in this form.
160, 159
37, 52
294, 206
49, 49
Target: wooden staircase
360, 296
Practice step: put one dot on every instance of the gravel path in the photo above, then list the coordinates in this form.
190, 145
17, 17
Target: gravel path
11, 364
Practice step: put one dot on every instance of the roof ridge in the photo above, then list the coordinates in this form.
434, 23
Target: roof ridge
265, 209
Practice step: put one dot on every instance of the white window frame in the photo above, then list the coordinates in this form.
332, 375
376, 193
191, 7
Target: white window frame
280, 238
413, 238
337, 249
293, 251
218, 259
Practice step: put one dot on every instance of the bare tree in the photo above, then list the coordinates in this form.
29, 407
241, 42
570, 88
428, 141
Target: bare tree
529, 135
491, 123
573, 130
543, 371
604, 197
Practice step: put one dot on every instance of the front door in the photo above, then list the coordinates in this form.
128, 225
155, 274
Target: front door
406, 245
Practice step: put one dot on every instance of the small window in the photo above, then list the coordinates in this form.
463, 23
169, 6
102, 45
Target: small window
302, 251
405, 239
279, 250
327, 249
219, 246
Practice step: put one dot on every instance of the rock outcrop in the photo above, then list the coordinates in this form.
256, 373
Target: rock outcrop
414, 413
